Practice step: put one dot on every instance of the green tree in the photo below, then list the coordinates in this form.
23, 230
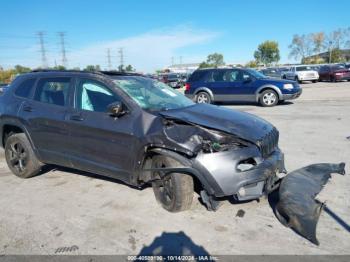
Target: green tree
129, 68
22, 69
251, 64
92, 68
267, 53
121, 68
213, 60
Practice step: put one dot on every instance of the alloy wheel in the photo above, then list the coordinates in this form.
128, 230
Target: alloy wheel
18, 157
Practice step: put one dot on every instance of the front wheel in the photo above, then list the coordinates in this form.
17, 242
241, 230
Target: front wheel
268, 98
174, 191
20, 156
203, 98
314, 81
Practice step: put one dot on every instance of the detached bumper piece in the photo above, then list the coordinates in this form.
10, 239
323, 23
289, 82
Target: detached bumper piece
297, 207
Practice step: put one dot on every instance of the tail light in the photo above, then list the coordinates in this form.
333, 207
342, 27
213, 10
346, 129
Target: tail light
187, 87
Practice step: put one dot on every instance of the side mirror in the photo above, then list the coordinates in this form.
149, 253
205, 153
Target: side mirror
116, 109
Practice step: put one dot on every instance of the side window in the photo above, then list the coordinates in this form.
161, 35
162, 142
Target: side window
94, 96
23, 90
232, 76
217, 76
53, 90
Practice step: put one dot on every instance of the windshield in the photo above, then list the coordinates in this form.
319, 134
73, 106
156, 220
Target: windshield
151, 94
256, 74
337, 67
303, 68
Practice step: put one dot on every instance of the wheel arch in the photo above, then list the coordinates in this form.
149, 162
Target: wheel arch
266, 87
9, 127
187, 167
204, 89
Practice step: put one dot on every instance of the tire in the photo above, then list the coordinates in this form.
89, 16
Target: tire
175, 191
296, 79
203, 98
348, 80
20, 156
268, 98
332, 78
284, 77
314, 81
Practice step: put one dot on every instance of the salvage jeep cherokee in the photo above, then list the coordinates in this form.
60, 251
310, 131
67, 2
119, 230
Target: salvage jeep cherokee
140, 131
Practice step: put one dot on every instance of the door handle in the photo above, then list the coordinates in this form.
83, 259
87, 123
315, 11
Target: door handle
27, 108
76, 118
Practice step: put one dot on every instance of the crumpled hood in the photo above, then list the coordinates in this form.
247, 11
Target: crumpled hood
240, 124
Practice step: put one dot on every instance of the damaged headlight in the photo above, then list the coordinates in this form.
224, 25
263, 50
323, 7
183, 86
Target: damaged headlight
246, 165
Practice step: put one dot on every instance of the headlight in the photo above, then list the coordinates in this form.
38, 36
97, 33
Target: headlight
288, 86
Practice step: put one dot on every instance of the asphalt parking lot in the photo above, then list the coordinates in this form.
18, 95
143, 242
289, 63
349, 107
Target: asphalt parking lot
69, 212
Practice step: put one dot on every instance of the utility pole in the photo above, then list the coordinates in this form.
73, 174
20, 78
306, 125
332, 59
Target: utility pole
109, 62
42, 49
121, 59
330, 52
63, 49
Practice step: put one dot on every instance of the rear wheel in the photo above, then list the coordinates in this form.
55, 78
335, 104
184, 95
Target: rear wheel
333, 79
314, 81
203, 98
174, 191
268, 98
20, 156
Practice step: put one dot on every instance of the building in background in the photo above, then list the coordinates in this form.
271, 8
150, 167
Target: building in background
182, 68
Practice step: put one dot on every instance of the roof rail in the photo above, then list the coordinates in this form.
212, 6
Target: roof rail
109, 73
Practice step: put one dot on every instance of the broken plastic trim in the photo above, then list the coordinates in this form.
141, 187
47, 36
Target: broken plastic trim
297, 207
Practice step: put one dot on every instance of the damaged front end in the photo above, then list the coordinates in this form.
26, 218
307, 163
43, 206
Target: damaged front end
225, 164
297, 207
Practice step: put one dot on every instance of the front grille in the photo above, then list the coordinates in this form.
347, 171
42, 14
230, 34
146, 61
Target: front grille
268, 143
310, 75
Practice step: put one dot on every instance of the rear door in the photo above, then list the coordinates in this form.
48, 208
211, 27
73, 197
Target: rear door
45, 117
100, 143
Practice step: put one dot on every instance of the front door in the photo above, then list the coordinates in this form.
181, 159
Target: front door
100, 143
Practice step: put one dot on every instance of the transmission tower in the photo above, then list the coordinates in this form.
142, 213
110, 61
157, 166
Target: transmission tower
44, 63
63, 48
121, 59
109, 62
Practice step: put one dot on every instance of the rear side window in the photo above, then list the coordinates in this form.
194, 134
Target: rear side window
198, 76
53, 91
24, 89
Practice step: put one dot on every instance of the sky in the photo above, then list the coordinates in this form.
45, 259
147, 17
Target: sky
152, 32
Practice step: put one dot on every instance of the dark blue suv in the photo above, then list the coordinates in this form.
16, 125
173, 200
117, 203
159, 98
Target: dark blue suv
238, 84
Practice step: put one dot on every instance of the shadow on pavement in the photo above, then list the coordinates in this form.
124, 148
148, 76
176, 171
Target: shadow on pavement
170, 244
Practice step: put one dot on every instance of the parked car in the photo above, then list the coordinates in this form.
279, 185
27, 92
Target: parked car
173, 80
301, 73
3, 87
334, 73
219, 85
140, 131
271, 72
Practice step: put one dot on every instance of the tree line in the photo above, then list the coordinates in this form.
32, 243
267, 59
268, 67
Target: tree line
6, 76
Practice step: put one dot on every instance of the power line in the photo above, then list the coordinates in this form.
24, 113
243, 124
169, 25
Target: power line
109, 62
42, 49
121, 58
63, 49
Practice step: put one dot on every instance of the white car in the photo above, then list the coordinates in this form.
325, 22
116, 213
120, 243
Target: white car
301, 73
